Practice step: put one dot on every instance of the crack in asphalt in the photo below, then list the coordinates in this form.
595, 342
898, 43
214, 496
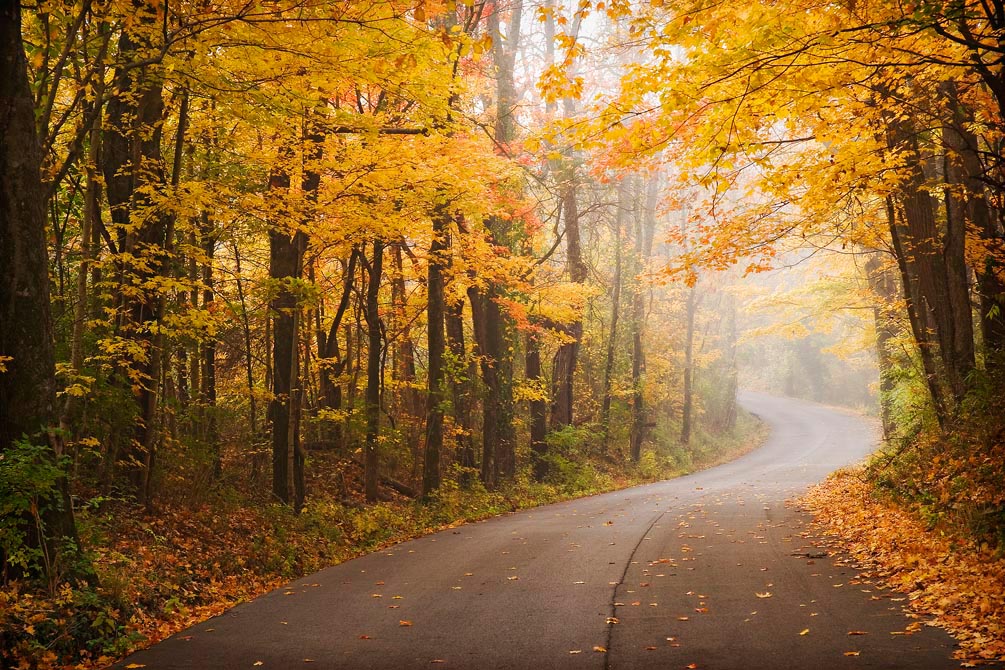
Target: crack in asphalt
621, 581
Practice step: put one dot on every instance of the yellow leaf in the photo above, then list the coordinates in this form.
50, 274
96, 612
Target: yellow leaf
804, 631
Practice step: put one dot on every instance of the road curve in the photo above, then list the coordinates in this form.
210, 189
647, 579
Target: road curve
712, 569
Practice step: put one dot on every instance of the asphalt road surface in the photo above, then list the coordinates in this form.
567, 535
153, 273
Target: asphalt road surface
710, 571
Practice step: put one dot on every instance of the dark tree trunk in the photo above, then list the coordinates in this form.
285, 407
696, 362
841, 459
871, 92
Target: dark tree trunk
435, 311
212, 435
335, 363
882, 284
373, 376
612, 339
493, 328
28, 386
962, 359
934, 264
404, 352
644, 229
286, 258
538, 410
687, 410
132, 166
249, 368
913, 300
464, 372
970, 174
566, 358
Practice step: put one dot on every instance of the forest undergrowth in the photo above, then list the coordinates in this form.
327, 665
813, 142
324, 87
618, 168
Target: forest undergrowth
202, 552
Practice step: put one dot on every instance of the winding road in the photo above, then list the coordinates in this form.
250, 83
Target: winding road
711, 571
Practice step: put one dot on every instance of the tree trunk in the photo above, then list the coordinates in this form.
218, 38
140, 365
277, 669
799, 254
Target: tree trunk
493, 326
970, 175
249, 369
373, 376
286, 256
335, 363
564, 363
962, 359
612, 339
28, 385
208, 391
538, 410
882, 285
913, 300
644, 229
687, 410
464, 372
435, 396
930, 261
133, 166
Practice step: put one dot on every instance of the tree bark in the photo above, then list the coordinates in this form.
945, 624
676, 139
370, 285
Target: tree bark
687, 410
464, 372
28, 386
969, 174
133, 166
435, 310
373, 376
932, 262
566, 358
538, 410
913, 300
644, 229
612, 339
883, 287
286, 256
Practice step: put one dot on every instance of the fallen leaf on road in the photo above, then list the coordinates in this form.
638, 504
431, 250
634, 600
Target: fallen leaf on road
600, 649
404, 623
766, 594
857, 632
575, 651
513, 578
612, 619
132, 666
851, 653
804, 631
258, 663
682, 618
